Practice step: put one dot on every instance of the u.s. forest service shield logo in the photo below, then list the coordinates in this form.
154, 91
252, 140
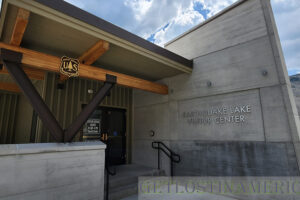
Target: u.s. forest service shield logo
69, 66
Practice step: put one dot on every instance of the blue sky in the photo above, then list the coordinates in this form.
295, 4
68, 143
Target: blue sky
161, 20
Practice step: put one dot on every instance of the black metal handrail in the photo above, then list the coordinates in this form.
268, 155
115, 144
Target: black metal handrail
174, 157
108, 171
112, 173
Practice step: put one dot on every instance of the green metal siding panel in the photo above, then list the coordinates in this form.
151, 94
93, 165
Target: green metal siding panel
8, 105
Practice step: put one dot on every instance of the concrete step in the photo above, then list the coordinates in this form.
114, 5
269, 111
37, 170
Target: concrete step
125, 182
123, 192
120, 180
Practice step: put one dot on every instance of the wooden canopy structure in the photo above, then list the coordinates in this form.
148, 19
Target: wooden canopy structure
43, 62
104, 52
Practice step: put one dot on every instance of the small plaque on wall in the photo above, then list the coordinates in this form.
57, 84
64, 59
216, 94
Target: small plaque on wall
93, 126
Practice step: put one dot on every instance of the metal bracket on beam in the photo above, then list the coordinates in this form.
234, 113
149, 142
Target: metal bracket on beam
111, 79
10, 56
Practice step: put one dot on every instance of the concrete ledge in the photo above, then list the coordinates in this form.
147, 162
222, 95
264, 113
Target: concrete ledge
52, 171
19, 149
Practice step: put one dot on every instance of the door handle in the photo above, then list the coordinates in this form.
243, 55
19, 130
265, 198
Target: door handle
104, 137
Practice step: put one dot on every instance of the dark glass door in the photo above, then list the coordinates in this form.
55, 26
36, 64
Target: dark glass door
108, 125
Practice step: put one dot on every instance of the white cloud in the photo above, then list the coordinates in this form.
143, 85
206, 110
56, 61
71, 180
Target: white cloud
156, 15
215, 6
140, 7
149, 17
177, 14
183, 21
187, 16
286, 14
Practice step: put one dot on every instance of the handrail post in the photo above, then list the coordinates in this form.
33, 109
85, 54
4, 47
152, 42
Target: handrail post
107, 185
108, 172
171, 163
158, 157
169, 153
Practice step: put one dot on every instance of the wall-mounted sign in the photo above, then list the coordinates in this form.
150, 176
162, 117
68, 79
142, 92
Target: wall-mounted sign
232, 117
218, 115
93, 126
69, 66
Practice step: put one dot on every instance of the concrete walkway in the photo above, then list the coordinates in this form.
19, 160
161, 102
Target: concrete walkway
127, 175
134, 197
205, 196
125, 183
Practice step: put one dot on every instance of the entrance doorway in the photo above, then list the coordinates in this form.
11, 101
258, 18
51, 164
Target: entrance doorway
108, 125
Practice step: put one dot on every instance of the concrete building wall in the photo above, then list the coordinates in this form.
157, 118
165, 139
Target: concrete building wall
235, 114
295, 81
52, 171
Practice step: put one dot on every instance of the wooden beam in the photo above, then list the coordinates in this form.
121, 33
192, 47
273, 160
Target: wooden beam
51, 63
16, 39
11, 87
92, 54
32, 73
20, 27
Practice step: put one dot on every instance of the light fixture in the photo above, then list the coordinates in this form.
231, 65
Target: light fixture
151, 133
264, 72
209, 83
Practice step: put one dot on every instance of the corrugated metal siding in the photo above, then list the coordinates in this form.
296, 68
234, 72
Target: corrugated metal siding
66, 103
8, 107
